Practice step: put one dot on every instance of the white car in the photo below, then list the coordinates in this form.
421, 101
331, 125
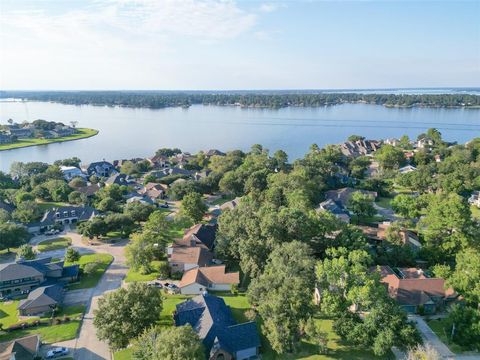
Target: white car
57, 352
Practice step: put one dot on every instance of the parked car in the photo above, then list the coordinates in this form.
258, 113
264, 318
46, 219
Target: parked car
52, 232
164, 206
57, 352
156, 284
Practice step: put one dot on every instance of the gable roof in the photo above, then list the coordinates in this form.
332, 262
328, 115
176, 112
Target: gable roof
342, 196
24, 348
198, 235
411, 286
209, 275
21, 270
191, 255
42, 296
212, 320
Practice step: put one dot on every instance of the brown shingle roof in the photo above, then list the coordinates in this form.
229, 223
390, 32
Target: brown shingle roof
24, 348
209, 275
191, 255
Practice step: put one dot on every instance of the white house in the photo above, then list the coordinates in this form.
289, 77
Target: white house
70, 172
407, 169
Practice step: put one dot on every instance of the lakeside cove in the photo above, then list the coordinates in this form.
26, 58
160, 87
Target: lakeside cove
82, 133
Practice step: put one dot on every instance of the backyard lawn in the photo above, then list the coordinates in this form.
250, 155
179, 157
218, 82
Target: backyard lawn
48, 333
384, 202
133, 275
222, 200
475, 212
54, 244
91, 280
47, 205
440, 328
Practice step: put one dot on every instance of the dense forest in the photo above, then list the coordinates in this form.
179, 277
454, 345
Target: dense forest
162, 99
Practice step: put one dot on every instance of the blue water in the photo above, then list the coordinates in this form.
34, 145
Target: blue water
128, 133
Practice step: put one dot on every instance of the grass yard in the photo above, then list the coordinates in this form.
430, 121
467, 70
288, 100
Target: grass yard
475, 212
9, 313
440, 328
384, 202
83, 133
54, 244
52, 333
91, 280
133, 275
47, 205
222, 200
125, 354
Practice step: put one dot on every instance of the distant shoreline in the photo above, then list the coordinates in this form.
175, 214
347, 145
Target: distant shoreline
83, 133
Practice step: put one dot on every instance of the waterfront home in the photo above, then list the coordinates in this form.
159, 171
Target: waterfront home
70, 172
6, 138
360, 147
220, 334
24, 348
100, 169
424, 143
197, 280
89, 190
392, 141
23, 276
414, 290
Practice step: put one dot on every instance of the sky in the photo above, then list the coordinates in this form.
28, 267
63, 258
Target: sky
233, 45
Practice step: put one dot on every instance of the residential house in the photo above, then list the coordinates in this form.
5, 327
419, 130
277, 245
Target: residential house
376, 235
6, 138
392, 141
202, 235
100, 169
424, 143
70, 172
119, 179
25, 348
337, 210
154, 191
23, 276
474, 199
183, 258
342, 196
62, 215
41, 300
360, 147
407, 169
214, 152
143, 199
199, 175
21, 132
414, 290
197, 280
89, 190
222, 337
159, 161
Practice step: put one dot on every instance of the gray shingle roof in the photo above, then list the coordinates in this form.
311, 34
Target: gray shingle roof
43, 296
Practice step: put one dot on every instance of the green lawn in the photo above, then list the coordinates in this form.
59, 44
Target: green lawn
54, 244
384, 202
133, 275
83, 133
222, 200
125, 354
8, 313
89, 281
440, 328
47, 205
52, 333
475, 212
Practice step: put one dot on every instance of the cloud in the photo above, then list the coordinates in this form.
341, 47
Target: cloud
271, 7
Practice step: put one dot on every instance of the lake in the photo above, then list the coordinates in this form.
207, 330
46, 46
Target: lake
128, 133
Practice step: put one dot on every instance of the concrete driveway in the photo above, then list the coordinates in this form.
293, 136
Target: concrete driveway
86, 346
431, 338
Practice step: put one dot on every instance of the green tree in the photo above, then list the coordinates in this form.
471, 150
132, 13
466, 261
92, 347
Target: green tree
389, 157
137, 211
361, 205
446, 226
72, 255
124, 314
406, 205
93, 228
12, 235
193, 206
120, 222
4, 216
171, 343
463, 325
27, 211
466, 277
76, 197
282, 294
26, 252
